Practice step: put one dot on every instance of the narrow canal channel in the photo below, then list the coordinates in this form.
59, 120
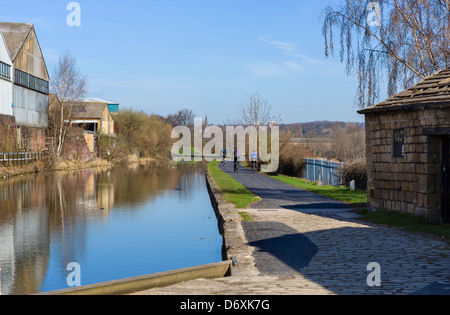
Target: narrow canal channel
114, 223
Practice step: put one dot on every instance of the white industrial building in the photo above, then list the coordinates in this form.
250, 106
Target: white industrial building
27, 77
6, 85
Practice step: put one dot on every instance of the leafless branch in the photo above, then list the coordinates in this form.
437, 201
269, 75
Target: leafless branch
70, 86
411, 42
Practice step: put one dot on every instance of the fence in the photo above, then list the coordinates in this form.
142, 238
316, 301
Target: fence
19, 159
327, 172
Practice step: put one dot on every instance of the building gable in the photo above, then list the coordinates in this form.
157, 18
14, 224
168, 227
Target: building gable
5, 57
15, 35
30, 58
24, 49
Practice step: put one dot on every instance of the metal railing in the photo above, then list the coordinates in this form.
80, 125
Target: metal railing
327, 172
20, 158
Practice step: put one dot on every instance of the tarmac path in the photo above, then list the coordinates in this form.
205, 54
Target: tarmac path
278, 195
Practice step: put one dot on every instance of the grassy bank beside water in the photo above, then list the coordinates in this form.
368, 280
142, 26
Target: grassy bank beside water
47, 166
233, 191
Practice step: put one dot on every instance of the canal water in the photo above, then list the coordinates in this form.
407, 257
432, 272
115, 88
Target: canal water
114, 224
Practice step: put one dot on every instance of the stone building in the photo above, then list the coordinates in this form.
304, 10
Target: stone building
408, 150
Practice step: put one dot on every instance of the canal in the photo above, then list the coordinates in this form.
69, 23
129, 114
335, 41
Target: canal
115, 224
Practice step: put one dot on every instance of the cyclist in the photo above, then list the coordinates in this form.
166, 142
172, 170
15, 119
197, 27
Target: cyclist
224, 156
236, 162
254, 161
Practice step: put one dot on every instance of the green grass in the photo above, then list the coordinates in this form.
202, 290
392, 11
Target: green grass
339, 193
246, 217
233, 191
409, 222
189, 150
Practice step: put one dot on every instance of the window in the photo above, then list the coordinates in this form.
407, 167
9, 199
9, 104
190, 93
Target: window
399, 143
5, 71
41, 85
29, 81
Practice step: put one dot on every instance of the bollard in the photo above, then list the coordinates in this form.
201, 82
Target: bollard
352, 185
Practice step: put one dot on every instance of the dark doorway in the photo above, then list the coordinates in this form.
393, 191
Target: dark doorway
445, 171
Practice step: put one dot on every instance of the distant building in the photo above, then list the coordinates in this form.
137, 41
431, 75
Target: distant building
28, 73
95, 117
113, 106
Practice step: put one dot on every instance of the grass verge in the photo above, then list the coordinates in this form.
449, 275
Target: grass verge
246, 217
357, 197
233, 191
409, 222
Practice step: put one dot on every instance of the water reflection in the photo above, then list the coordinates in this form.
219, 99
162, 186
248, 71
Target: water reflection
115, 223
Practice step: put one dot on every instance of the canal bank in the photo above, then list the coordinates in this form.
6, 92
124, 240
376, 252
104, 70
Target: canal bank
343, 248
235, 245
48, 166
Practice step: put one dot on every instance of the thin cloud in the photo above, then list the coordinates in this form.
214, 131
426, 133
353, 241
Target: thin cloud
287, 47
297, 62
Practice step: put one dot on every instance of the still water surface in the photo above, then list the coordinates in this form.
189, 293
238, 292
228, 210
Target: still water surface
114, 223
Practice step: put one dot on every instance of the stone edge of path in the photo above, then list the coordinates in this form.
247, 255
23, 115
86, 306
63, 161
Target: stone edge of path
235, 244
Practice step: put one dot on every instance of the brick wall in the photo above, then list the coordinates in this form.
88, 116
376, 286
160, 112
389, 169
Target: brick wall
14, 138
31, 139
75, 146
410, 183
7, 133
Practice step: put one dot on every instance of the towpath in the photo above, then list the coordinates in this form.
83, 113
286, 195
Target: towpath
302, 243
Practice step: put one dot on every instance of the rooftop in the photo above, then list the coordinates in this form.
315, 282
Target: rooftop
98, 100
88, 110
433, 91
15, 35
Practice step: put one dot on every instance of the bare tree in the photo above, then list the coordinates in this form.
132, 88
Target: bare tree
70, 86
184, 117
409, 40
257, 111
348, 143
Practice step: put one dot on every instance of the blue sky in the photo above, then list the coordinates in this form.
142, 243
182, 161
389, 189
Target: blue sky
160, 56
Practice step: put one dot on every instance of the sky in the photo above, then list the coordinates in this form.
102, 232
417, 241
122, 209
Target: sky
161, 56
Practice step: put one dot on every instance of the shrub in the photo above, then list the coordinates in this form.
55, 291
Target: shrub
357, 171
142, 134
291, 163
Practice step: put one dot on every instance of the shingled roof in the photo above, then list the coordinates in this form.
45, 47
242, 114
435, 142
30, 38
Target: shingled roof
433, 91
